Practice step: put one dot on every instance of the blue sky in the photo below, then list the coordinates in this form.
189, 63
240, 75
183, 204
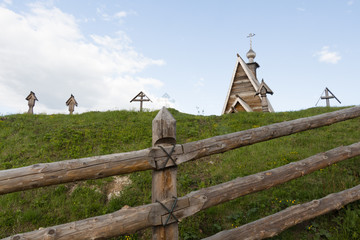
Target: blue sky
105, 52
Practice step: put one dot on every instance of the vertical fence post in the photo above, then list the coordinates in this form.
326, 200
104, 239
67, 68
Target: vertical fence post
164, 180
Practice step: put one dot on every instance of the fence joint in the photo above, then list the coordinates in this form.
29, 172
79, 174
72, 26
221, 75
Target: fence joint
169, 156
169, 211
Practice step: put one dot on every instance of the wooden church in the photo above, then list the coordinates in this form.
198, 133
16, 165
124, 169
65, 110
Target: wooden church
246, 93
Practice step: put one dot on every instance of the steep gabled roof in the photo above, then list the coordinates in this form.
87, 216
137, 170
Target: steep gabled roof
252, 85
242, 103
71, 99
265, 86
31, 95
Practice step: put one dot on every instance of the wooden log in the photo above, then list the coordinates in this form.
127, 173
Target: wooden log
46, 174
125, 221
164, 180
274, 224
220, 144
264, 180
130, 220
121, 222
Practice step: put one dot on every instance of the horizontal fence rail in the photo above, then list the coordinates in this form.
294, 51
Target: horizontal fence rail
130, 220
223, 143
45, 174
274, 224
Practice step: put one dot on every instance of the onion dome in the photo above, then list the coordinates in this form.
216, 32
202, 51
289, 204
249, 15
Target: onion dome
251, 55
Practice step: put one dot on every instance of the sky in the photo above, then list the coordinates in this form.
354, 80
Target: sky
181, 54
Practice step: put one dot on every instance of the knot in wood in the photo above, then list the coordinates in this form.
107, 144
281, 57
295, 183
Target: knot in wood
315, 203
261, 177
50, 234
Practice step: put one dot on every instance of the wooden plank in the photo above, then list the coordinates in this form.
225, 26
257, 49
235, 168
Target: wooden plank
164, 181
249, 94
274, 224
127, 221
257, 109
240, 74
242, 81
255, 101
241, 89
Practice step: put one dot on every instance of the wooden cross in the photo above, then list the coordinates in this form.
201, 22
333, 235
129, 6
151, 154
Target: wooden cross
71, 102
250, 36
141, 97
327, 97
31, 98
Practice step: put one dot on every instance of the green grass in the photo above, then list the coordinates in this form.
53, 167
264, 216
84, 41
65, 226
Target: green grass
29, 139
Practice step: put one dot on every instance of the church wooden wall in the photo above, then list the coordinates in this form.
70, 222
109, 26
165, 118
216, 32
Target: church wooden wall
243, 87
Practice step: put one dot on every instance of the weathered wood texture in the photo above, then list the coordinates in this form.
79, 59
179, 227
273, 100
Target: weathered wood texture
274, 224
71, 102
164, 181
253, 183
124, 221
121, 222
220, 144
243, 87
31, 98
130, 220
45, 174
141, 97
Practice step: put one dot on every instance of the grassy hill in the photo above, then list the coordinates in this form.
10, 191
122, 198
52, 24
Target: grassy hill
29, 139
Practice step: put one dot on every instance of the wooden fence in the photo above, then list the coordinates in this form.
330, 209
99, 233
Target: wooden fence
166, 208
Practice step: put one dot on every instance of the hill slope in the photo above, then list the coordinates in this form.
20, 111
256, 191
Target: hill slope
29, 139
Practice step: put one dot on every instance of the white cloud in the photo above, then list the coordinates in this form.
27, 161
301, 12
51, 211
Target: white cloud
327, 56
351, 2
101, 12
163, 102
300, 9
4, 3
44, 51
116, 16
200, 83
121, 14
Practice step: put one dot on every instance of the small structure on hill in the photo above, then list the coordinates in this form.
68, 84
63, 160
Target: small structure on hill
262, 91
31, 98
71, 102
327, 97
245, 93
141, 97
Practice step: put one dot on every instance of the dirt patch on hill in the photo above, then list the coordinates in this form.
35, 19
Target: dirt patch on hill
115, 187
